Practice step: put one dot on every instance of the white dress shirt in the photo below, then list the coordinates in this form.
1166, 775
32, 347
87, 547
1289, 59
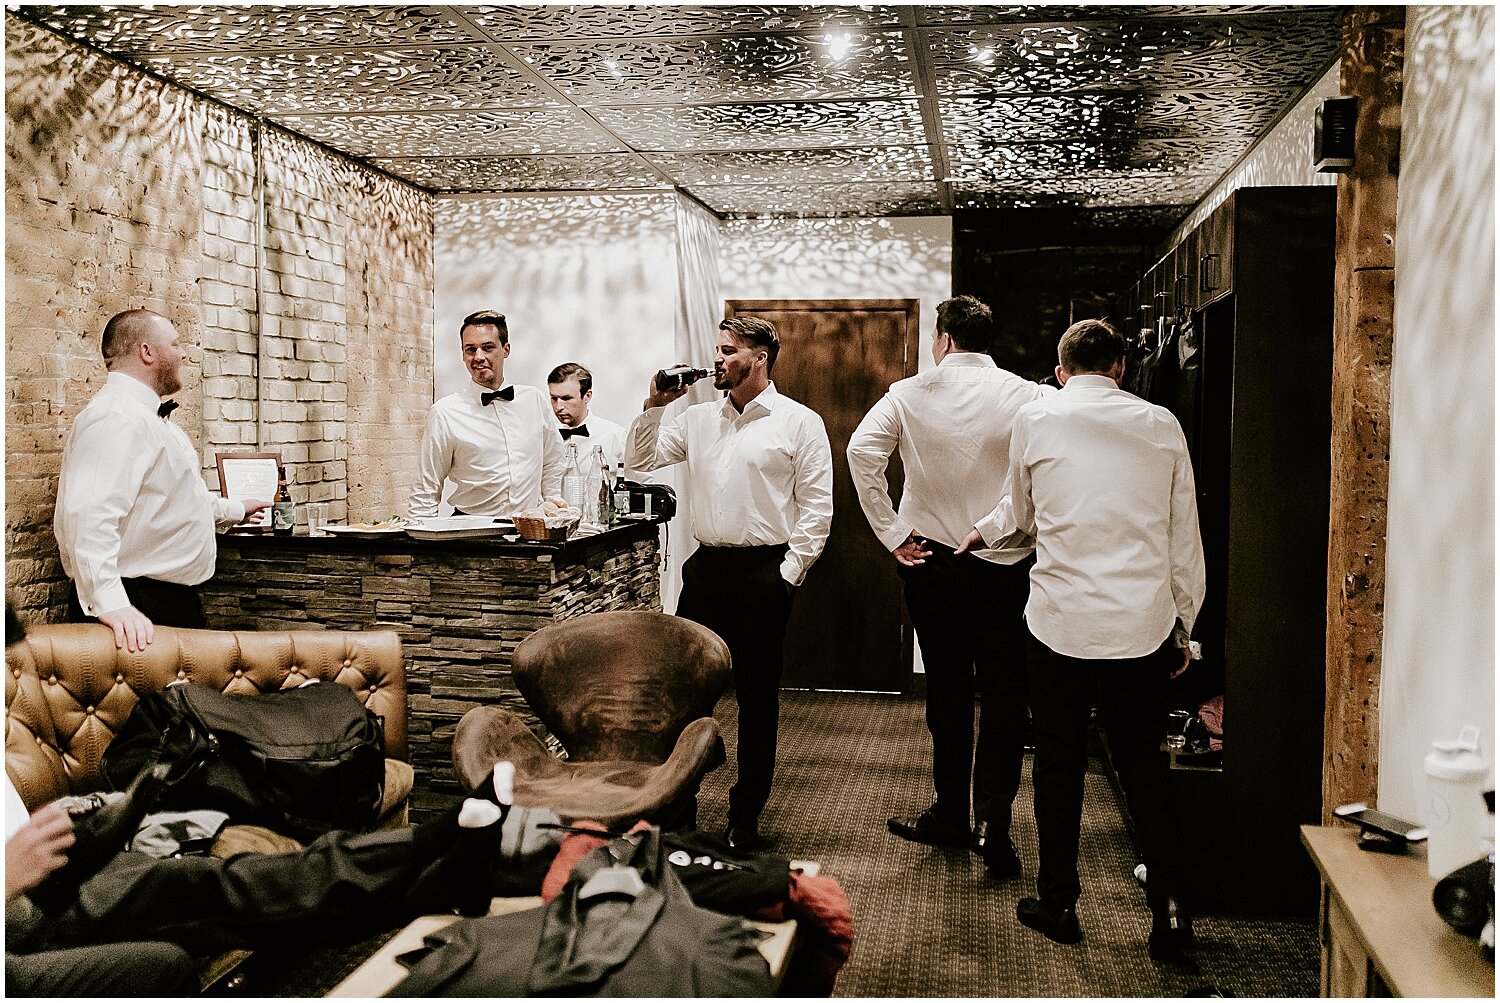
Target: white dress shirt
755, 478
603, 433
502, 457
131, 502
952, 426
1103, 481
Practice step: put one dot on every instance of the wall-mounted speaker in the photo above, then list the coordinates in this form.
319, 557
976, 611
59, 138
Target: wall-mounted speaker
1333, 134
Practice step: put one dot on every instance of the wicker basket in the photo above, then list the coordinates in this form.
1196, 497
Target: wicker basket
537, 529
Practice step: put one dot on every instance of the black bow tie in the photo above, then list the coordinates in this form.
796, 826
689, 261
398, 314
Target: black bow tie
507, 394
166, 409
568, 433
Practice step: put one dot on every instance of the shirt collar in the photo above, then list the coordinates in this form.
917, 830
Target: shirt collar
968, 359
765, 401
1090, 381
134, 389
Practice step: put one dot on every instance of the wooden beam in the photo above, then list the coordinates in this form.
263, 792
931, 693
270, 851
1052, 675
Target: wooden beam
1364, 307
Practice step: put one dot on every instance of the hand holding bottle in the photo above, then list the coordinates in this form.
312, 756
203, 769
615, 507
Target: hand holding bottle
670, 384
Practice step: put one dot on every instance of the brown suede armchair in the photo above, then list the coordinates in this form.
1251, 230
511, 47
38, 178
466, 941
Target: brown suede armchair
630, 695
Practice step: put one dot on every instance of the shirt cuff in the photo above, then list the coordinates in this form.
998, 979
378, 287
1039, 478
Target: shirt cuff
106, 599
896, 535
792, 571
991, 531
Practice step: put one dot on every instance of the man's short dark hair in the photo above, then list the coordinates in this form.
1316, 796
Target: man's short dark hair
968, 322
481, 317
125, 332
756, 333
572, 371
1090, 346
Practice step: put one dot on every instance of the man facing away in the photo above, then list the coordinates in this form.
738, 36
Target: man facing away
134, 521
494, 440
571, 387
760, 483
1103, 481
952, 426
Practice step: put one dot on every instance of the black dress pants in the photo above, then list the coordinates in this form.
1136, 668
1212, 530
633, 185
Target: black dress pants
147, 969
739, 594
967, 613
166, 604
1133, 706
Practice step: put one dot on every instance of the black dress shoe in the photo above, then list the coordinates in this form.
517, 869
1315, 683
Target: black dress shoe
744, 837
1171, 931
928, 828
997, 851
1057, 924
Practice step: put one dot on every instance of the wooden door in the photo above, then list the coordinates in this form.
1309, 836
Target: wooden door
848, 629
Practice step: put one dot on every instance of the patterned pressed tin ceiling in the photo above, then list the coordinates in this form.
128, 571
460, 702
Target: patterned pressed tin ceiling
756, 110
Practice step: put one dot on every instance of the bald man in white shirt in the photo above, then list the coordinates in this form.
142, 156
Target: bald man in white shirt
134, 521
1103, 481
951, 426
760, 483
494, 440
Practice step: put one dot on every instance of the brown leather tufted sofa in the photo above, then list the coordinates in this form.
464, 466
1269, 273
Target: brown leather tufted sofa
68, 691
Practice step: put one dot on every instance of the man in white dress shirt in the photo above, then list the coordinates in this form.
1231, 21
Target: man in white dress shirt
952, 427
134, 521
1103, 481
571, 387
494, 440
760, 483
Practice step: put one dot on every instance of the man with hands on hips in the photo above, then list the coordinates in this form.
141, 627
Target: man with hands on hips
760, 488
134, 521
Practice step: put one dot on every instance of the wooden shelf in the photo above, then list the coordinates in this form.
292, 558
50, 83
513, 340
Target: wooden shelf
1380, 932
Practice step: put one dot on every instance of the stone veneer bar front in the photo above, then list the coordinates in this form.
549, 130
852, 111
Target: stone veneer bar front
460, 606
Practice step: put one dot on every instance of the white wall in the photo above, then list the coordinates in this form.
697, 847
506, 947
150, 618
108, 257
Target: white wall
1439, 645
889, 258
1284, 157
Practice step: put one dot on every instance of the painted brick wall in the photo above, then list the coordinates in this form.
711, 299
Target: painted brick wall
122, 191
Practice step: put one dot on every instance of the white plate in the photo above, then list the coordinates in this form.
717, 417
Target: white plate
460, 527
363, 532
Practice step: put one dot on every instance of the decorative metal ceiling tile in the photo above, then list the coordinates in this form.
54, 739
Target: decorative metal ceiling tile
215, 29
822, 200
363, 81
991, 162
458, 133
1111, 115
528, 23
521, 174
727, 67
797, 167
1155, 53
1132, 190
979, 14
791, 125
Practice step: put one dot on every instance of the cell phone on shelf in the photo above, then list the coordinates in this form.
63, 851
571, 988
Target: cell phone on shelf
1383, 826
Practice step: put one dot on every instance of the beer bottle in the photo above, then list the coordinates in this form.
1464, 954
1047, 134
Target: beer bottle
283, 509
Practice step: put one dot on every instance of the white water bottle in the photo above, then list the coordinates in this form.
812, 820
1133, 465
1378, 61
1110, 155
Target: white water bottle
1458, 822
574, 479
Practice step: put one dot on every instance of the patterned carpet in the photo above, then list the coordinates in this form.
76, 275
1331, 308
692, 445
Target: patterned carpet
930, 922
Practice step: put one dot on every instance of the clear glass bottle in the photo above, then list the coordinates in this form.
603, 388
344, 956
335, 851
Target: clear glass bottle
575, 479
606, 490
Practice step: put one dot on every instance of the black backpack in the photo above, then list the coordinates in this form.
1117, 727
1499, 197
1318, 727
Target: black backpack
300, 762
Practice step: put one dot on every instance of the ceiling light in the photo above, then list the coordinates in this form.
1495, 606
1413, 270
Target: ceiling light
985, 55
839, 46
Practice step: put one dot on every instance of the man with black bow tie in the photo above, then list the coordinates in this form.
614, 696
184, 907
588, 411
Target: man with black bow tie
134, 521
493, 440
571, 387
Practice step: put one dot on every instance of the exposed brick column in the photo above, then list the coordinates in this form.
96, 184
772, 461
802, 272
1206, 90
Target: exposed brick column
1364, 308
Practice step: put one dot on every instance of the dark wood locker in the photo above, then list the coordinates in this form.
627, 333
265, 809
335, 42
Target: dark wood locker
1261, 461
